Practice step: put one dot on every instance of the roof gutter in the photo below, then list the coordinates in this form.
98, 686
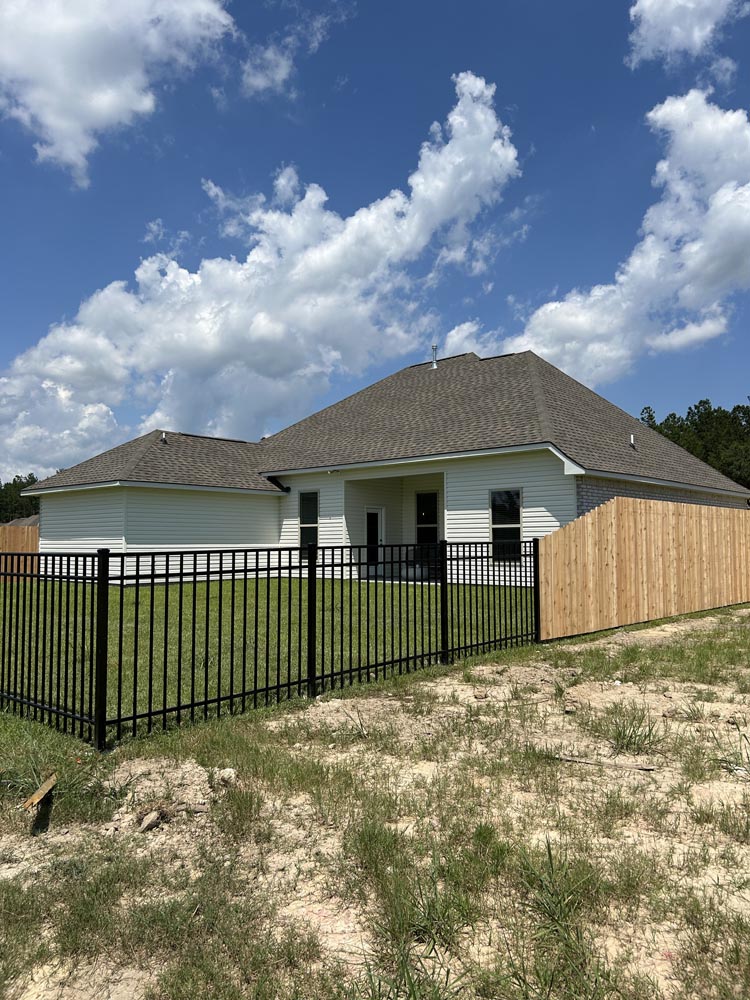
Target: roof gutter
31, 492
599, 474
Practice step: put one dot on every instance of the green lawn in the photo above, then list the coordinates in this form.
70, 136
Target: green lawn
227, 646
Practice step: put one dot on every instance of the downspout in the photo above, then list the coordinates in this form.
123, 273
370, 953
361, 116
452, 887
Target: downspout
279, 485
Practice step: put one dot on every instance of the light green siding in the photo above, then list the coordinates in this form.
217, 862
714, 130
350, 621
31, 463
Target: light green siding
548, 495
82, 520
198, 519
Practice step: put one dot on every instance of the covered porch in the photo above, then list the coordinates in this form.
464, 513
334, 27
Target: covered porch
395, 510
396, 519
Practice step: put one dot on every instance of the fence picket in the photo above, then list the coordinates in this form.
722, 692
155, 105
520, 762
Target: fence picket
108, 644
657, 559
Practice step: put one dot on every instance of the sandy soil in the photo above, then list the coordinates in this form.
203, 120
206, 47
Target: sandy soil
410, 744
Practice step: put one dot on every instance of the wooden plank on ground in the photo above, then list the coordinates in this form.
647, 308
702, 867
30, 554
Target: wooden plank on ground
44, 789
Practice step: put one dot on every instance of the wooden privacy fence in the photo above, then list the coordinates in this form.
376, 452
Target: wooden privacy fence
633, 560
19, 538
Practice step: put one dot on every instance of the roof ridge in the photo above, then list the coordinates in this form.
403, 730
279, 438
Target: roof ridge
212, 437
545, 422
593, 392
644, 429
447, 357
147, 442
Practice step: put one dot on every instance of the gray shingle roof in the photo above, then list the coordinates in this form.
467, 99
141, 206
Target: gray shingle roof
465, 404
469, 404
182, 459
596, 434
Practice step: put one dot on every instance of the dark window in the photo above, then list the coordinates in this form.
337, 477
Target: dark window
505, 508
372, 518
427, 518
308, 520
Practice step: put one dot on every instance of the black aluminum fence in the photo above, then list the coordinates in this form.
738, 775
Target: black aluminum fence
109, 644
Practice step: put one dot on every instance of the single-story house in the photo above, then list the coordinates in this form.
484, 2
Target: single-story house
464, 448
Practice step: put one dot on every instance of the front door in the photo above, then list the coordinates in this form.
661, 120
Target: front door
374, 519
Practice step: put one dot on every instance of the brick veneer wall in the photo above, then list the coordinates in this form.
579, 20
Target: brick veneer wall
592, 492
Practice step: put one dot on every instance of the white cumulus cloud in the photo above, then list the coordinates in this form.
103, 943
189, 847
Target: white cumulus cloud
674, 289
668, 29
238, 345
72, 70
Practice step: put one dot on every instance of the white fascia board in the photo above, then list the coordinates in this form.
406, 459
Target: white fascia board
67, 489
596, 473
571, 468
152, 486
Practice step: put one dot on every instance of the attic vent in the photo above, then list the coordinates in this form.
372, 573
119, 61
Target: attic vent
434, 355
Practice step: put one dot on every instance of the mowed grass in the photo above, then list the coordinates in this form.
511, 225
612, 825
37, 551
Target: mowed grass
426, 838
198, 649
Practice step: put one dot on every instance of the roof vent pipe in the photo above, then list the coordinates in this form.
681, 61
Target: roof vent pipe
163, 437
632, 440
434, 355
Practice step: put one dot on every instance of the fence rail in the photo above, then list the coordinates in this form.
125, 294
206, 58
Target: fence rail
110, 644
634, 560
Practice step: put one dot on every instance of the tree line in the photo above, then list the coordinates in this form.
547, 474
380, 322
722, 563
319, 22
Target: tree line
12, 504
719, 437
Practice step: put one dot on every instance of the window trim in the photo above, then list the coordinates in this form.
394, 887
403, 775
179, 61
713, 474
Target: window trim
506, 489
307, 524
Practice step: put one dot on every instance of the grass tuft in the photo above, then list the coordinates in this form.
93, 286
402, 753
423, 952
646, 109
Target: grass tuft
627, 728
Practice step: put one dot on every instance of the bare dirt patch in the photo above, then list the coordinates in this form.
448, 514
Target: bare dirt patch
96, 981
296, 868
656, 635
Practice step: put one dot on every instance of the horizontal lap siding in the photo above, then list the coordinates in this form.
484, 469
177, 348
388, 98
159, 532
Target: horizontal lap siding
432, 483
196, 519
549, 496
361, 494
463, 485
82, 520
330, 489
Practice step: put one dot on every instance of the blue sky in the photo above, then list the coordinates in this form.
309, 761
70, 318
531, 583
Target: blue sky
194, 140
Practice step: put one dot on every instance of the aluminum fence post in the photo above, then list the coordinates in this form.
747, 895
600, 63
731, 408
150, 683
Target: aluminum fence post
443, 560
537, 590
102, 642
312, 620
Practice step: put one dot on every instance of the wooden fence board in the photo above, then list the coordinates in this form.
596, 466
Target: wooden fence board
634, 560
19, 538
